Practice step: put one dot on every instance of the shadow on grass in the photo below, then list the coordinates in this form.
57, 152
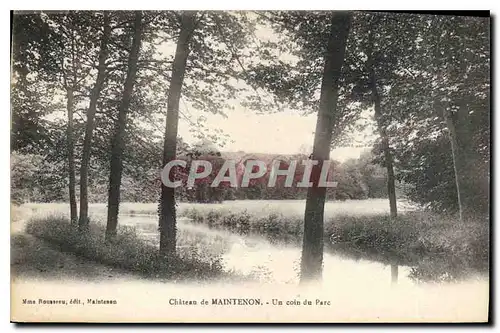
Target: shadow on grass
34, 258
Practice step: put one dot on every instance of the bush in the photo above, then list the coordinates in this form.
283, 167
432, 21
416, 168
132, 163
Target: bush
127, 251
35, 179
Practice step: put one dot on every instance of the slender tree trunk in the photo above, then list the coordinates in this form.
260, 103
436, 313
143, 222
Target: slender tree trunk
116, 164
167, 221
391, 188
71, 156
87, 142
382, 127
452, 132
389, 164
312, 247
467, 164
384, 137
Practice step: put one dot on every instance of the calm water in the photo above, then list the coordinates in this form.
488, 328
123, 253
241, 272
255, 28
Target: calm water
266, 261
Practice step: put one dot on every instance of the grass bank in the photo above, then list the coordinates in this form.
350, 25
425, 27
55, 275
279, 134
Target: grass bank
437, 248
128, 251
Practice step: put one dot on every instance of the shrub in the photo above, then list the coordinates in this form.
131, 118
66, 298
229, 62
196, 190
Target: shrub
127, 251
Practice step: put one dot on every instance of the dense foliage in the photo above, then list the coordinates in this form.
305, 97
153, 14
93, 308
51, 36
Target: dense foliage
35, 180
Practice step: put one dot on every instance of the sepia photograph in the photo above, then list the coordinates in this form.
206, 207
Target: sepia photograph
259, 166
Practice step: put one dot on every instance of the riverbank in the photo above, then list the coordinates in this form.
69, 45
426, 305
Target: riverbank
352, 291
437, 248
128, 251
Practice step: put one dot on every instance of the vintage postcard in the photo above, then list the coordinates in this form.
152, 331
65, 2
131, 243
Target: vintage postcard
250, 167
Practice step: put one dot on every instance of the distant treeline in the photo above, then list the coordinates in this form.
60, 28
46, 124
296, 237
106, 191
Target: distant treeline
35, 180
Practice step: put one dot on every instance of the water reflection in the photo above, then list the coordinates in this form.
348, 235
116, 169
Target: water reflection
266, 261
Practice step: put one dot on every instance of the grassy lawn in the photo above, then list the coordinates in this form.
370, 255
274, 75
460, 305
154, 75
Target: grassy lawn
290, 208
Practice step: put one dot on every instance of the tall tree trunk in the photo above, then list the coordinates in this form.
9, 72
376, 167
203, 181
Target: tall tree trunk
167, 221
382, 126
384, 137
87, 142
467, 163
71, 156
389, 164
391, 188
312, 247
116, 164
452, 132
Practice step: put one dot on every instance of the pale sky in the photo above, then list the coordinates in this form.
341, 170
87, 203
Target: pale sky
280, 133
286, 132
